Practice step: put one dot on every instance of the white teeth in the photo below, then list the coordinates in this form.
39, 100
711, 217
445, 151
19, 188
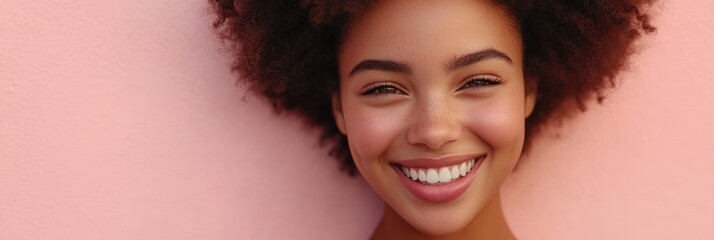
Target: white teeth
432, 176
413, 174
454, 172
442, 175
422, 175
462, 169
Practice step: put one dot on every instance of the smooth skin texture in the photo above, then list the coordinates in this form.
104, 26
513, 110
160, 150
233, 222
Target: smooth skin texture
430, 79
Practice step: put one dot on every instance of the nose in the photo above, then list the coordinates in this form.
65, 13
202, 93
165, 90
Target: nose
434, 123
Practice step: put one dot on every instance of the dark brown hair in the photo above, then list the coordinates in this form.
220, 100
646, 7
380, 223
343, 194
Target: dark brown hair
286, 50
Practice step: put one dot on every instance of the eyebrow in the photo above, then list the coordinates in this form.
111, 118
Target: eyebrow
474, 57
383, 65
455, 63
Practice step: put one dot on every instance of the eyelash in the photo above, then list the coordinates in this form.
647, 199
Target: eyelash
481, 81
372, 89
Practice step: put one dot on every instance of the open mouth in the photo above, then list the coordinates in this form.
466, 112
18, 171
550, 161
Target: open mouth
438, 176
438, 181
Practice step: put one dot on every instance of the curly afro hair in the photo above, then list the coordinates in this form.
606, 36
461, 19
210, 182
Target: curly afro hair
286, 50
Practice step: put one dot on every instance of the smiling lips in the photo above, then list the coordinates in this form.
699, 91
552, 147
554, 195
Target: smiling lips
438, 181
444, 175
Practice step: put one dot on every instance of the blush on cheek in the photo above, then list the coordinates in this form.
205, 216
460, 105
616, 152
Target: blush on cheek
371, 133
501, 126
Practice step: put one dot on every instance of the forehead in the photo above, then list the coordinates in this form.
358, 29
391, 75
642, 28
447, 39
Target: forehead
421, 30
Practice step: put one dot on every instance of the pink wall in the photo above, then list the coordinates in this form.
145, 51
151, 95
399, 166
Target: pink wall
119, 120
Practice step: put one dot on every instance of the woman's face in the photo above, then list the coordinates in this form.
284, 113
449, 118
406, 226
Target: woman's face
432, 100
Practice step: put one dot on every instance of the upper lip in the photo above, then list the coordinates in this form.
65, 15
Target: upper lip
437, 162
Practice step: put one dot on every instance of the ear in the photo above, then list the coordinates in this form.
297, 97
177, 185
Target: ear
337, 112
531, 95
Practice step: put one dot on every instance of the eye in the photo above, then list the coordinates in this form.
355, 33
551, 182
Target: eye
381, 88
481, 81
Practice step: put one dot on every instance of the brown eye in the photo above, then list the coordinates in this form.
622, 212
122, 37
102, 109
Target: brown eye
481, 81
386, 89
382, 88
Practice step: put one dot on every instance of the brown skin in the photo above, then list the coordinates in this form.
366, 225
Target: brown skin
433, 110
489, 224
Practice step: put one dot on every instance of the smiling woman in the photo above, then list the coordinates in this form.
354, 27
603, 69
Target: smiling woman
439, 97
432, 102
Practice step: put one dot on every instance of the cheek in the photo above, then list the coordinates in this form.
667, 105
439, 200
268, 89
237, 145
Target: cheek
371, 131
499, 123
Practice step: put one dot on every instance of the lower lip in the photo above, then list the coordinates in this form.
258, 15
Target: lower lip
439, 193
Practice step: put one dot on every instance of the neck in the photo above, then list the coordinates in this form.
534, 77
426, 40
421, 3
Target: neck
489, 223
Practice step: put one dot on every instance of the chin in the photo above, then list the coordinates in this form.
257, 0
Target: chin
442, 226
443, 219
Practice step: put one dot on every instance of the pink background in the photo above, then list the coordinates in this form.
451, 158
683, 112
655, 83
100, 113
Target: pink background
120, 120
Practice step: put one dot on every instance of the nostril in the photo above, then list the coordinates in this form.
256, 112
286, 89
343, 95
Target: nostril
433, 136
433, 122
